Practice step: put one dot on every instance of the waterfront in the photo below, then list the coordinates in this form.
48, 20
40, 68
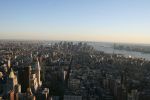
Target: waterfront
108, 48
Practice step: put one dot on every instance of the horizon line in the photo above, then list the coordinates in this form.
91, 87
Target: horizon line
75, 41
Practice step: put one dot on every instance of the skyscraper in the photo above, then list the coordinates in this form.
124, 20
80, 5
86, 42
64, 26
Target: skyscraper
24, 78
38, 75
11, 81
9, 63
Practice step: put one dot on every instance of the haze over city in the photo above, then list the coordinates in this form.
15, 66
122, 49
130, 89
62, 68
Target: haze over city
78, 20
74, 50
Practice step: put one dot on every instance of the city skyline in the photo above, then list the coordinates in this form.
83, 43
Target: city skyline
86, 20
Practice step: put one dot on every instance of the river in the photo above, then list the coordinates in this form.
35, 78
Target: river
108, 48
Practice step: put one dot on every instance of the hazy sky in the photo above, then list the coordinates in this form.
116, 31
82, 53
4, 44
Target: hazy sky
90, 20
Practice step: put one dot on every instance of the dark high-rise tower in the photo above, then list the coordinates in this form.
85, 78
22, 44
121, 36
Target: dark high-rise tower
24, 78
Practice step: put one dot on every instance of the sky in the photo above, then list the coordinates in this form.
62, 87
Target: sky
77, 20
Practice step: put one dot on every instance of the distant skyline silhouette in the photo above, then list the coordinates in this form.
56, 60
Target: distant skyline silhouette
77, 20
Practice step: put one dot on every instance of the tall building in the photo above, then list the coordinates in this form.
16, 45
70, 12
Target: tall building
11, 81
9, 63
38, 73
24, 78
11, 95
33, 82
29, 95
17, 88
